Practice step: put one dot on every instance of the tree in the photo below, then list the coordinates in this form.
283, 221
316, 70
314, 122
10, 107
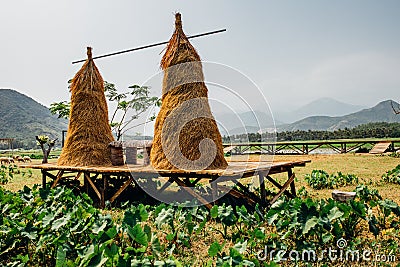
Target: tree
137, 99
41, 141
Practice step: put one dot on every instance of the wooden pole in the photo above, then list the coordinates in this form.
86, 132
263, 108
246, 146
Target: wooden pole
148, 46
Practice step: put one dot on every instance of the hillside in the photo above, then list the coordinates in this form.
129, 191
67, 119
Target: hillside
382, 112
22, 118
320, 107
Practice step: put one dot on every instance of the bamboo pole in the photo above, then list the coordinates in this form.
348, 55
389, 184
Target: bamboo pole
148, 46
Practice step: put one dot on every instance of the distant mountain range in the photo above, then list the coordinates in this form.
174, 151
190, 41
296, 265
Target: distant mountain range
327, 114
320, 107
382, 112
22, 118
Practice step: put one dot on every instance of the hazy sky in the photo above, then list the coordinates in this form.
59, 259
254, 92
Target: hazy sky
295, 51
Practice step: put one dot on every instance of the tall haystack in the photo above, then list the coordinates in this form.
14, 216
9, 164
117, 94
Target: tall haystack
186, 135
89, 132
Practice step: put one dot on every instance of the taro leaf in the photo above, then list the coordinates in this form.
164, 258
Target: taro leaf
235, 255
335, 213
57, 224
214, 249
373, 226
138, 235
112, 232
61, 256
89, 253
97, 227
310, 224
164, 217
358, 208
227, 215
259, 234
327, 237
133, 216
47, 219
156, 246
241, 247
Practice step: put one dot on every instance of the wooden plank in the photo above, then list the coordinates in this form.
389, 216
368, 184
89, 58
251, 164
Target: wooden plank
87, 177
261, 176
78, 175
194, 194
283, 189
279, 186
121, 189
44, 175
229, 149
380, 148
59, 176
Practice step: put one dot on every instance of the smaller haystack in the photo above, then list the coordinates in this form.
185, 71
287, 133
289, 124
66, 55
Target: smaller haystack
186, 135
89, 132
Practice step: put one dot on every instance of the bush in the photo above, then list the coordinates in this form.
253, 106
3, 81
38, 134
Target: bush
320, 179
392, 176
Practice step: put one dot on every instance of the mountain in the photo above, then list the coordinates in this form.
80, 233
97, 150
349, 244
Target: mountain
382, 112
321, 107
238, 123
22, 118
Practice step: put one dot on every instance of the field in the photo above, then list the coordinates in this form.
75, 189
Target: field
163, 235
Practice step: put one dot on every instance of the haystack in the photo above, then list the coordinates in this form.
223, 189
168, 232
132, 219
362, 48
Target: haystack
89, 132
186, 135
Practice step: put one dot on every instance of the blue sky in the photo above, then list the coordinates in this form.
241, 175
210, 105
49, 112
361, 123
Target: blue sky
294, 51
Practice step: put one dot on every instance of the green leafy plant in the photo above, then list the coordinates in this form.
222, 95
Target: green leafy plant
7, 173
319, 179
392, 176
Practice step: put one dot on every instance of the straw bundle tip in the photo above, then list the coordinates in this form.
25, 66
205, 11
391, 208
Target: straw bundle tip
89, 52
178, 20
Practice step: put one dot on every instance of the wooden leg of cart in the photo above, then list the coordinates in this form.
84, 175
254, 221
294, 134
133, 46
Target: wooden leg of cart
214, 191
262, 188
44, 178
292, 185
103, 191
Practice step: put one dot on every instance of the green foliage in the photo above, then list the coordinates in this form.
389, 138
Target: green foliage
7, 173
61, 109
319, 179
392, 176
54, 227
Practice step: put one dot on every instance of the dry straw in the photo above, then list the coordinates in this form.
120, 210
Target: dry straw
184, 89
89, 132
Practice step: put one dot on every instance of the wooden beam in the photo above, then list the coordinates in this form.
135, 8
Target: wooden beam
87, 177
44, 175
261, 176
59, 176
283, 189
190, 191
121, 189
78, 176
279, 186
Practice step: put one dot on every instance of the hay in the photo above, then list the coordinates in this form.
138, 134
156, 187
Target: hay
186, 135
89, 132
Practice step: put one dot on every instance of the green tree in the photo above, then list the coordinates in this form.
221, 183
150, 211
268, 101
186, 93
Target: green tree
136, 100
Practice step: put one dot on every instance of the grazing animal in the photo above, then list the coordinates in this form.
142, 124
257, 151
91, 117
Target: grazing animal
18, 158
5, 160
27, 158
11, 160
